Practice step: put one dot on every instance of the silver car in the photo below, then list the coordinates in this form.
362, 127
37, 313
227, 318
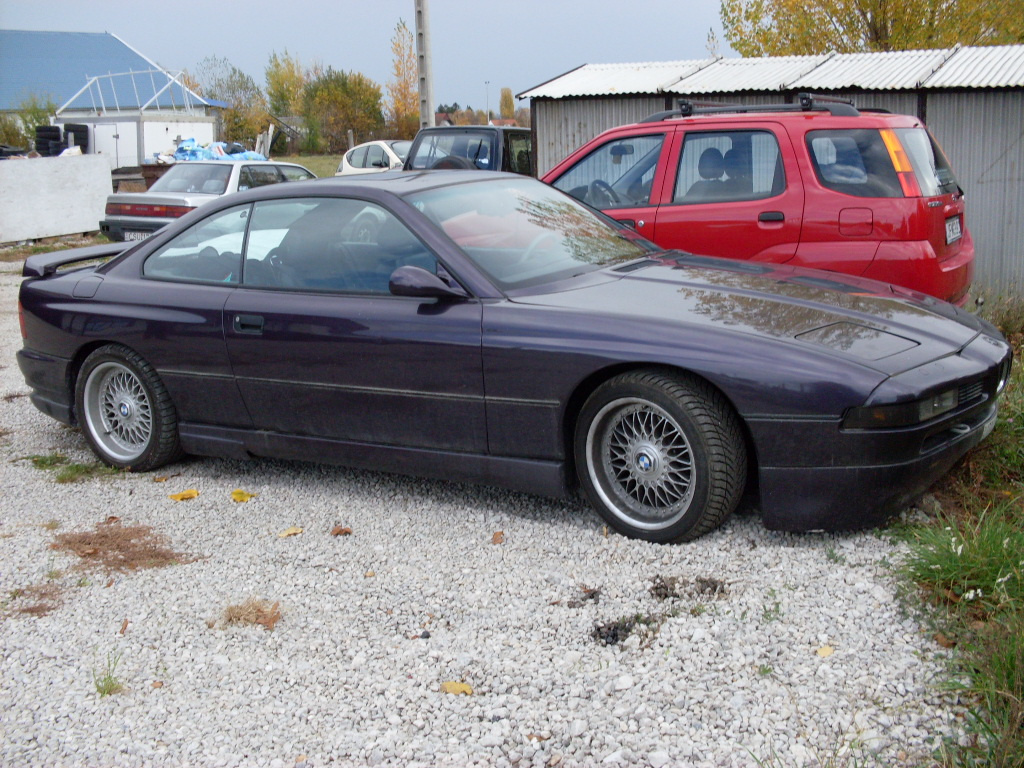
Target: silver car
185, 186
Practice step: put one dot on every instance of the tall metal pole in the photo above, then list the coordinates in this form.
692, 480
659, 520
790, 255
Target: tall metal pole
425, 65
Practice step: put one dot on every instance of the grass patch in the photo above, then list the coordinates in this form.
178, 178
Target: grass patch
970, 563
73, 473
50, 244
321, 165
106, 681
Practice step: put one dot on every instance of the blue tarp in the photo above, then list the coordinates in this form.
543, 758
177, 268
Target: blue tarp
189, 149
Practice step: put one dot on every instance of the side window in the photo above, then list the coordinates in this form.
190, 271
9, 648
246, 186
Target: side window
854, 162
375, 157
329, 244
294, 173
207, 252
519, 150
724, 166
357, 157
618, 174
257, 176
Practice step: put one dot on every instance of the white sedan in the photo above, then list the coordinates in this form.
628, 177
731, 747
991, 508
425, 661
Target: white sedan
374, 156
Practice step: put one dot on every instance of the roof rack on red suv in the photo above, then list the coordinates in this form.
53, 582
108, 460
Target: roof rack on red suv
817, 183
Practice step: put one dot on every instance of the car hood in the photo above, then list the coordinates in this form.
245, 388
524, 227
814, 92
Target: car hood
882, 327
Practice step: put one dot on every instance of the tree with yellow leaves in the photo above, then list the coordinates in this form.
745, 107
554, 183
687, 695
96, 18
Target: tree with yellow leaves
403, 90
794, 27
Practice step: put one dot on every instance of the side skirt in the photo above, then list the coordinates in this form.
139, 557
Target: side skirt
545, 478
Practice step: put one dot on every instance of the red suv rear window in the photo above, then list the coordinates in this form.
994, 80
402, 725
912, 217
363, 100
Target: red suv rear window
855, 162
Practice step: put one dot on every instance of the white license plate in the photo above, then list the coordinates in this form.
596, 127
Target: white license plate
953, 230
133, 235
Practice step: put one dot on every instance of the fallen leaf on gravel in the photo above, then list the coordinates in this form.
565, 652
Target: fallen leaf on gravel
240, 496
157, 684
536, 737
339, 530
112, 519
498, 537
456, 689
293, 531
191, 493
825, 651
124, 626
269, 618
165, 478
369, 575
944, 641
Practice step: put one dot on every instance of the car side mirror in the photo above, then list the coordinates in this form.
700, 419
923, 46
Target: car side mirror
418, 282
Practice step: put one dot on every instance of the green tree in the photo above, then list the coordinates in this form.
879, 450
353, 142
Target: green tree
246, 113
507, 105
285, 80
790, 27
336, 102
18, 129
403, 90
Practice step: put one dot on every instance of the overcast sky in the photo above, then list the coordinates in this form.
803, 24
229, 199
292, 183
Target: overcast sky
516, 44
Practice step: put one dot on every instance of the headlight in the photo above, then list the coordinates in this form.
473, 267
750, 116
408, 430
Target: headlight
903, 414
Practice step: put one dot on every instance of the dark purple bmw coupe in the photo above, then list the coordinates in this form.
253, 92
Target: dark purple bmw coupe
486, 327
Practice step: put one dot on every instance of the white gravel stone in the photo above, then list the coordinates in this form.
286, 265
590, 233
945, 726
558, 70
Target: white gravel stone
351, 674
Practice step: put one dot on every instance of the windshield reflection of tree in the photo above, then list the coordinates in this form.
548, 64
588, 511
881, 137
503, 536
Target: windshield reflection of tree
585, 238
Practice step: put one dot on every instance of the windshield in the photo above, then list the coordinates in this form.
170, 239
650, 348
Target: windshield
454, 149
522, 233
194, 177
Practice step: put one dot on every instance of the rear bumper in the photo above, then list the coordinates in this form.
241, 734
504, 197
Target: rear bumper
131, 229
49, 378
913, 264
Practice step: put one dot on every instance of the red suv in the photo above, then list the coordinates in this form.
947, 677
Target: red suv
815, 184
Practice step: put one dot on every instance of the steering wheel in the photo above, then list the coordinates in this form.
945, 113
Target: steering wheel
601, 195
529, 251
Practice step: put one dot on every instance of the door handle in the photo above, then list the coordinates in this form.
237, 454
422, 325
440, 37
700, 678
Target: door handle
248, 324
771, 216
628, 222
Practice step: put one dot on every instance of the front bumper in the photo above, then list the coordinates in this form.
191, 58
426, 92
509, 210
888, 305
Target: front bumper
838, 498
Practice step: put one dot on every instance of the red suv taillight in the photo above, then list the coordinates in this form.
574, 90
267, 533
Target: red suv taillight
145, 209
901, 162
21, 320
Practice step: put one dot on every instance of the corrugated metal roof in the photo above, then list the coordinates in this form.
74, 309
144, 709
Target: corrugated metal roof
974, 67
616, 79
735, 75
994, 66
885, 71
57, 64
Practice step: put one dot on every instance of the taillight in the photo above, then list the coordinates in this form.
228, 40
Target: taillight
145, 209
901, 162
21, 320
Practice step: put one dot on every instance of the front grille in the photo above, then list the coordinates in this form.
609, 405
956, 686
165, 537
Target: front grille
971, 392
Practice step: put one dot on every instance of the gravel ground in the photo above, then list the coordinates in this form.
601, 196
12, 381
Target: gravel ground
750, 645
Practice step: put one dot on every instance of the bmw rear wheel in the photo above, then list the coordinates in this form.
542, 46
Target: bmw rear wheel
125, 411
660, 456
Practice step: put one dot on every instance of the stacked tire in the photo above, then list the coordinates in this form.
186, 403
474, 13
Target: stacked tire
49, 141
77, 135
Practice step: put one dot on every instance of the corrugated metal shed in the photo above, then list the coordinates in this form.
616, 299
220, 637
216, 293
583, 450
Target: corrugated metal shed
888, 71
997, 66
976, 67
57, 65
764, 74
616, 79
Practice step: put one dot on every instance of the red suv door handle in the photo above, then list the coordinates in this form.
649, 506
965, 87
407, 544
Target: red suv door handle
771, 216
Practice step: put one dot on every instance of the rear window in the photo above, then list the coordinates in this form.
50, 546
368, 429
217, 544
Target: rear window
931, 167
854, 162
453, 149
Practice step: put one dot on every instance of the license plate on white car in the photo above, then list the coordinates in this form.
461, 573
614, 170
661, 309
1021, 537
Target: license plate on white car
133, 235
953, 229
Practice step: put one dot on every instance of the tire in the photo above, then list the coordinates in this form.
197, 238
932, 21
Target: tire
125, 411
48, 132
661, 457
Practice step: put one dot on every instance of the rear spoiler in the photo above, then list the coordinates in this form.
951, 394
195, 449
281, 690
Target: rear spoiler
46, 264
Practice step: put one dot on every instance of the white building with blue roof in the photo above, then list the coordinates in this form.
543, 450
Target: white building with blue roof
131, 107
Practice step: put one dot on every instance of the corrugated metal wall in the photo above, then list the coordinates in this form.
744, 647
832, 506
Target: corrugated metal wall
563, 125
982, 132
